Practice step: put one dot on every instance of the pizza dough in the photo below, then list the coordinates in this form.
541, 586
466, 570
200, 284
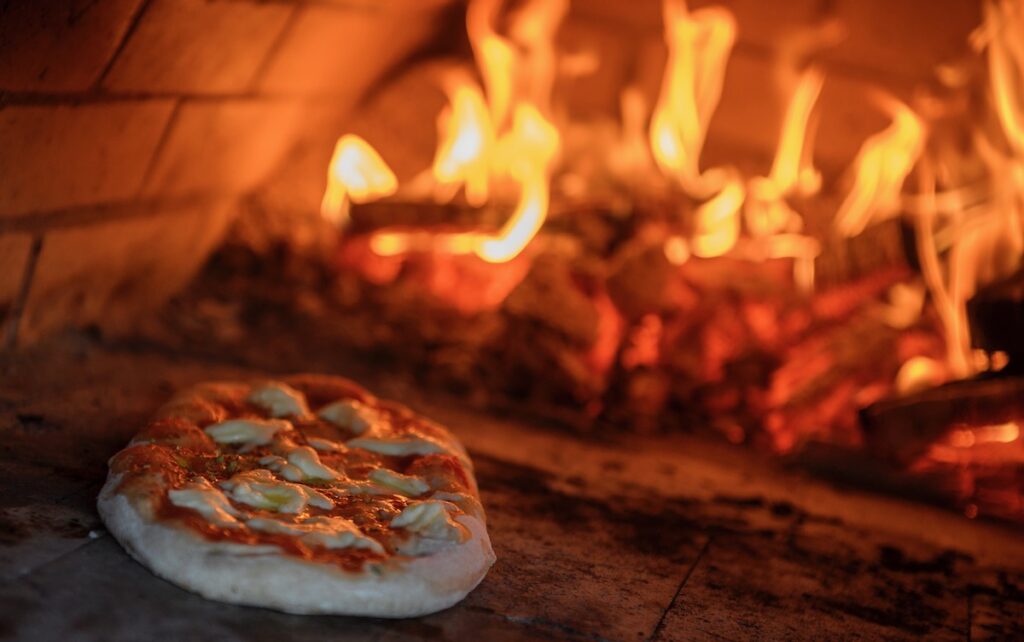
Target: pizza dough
306, 495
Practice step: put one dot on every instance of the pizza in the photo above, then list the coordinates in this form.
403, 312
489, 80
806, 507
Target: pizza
305, 495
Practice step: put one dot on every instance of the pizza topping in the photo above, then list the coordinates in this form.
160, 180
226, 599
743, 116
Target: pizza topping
259, 488
247, 432
174, 431
441, 472
405, 484
469, 504
352, 415
324, 445
209, 502
308, 462
431, 522
280, 400
329, 532
399, 447
362, 488
281, 466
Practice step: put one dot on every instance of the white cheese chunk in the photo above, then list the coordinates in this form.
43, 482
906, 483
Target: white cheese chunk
209, 502
325, 445
280, 400
430, 518
247, 433
329, 532
354, 416
407, 485
306, 460
362, 487
469, 504
259, 488
397, 446
281, 466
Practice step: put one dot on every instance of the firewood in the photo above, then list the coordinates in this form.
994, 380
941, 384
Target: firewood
881, 247
996, 317
391, 213
901, 429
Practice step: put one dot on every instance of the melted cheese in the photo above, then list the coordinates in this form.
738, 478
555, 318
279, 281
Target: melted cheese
399, 446
248, 433
209, 502
407, 485
306, 460
329, 532
259, 488
280, 400
281, 466
362, 487
469, 504
354, 416
430, 518
324, 445
300, 463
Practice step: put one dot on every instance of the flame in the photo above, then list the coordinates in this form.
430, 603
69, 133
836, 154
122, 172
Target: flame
465, 138
699, 45
1003, 27
1005, 433
717, 223
502, 135
676, 250
356, 173
792, 172
919, 373
966, 238
882, 165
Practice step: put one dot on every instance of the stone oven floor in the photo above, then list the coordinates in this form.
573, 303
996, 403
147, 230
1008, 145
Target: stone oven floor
627, 538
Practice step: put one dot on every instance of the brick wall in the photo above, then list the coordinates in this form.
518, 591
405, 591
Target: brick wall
130, 131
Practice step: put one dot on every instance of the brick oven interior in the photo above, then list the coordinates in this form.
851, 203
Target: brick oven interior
162, 170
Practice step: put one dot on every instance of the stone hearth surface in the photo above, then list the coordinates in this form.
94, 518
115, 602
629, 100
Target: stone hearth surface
597, 537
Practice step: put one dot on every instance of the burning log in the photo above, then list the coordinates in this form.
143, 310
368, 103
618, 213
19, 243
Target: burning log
903, 428
996, 316
391, 213
882, 247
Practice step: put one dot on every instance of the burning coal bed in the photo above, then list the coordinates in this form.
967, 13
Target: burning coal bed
620, 286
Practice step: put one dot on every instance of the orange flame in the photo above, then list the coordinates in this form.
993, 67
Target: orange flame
465, 140
526, 153
919, 373
792, 171
503, 135
1003, 28
355, 174
717, 223
881, 167
699, 45
962, 245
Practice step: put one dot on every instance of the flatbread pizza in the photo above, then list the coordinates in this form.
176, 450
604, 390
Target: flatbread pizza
305, 495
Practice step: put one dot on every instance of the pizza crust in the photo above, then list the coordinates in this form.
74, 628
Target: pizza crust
266, 577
